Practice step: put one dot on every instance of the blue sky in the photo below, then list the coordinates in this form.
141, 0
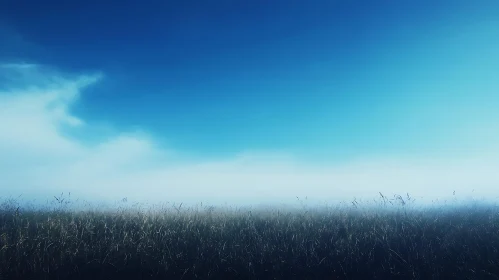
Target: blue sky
160, 92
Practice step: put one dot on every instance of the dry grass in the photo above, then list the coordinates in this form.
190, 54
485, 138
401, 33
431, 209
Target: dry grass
210, 243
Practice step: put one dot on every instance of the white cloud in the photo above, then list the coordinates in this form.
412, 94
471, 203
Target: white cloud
18, 66
38, 160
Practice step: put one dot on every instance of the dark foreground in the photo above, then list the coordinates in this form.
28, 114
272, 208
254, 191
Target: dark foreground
348, 243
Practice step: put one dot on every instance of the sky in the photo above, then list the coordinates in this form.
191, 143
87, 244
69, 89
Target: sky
249, 102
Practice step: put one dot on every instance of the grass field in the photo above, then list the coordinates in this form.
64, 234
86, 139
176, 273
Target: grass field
390, 241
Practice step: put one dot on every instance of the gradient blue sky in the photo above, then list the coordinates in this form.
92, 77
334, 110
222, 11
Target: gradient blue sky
322, 82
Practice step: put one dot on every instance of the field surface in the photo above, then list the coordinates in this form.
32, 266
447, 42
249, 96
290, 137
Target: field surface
387, 242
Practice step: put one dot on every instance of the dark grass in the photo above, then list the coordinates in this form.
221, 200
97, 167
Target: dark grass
385, 242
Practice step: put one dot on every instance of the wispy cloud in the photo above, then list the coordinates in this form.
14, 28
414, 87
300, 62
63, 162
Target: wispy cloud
38, 160
18, 66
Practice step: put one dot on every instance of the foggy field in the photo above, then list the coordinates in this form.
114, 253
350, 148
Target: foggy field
390, 241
